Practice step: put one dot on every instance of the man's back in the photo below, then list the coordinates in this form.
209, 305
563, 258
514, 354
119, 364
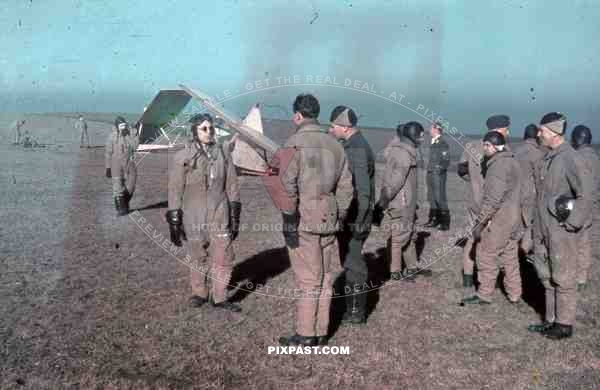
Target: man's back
317, 175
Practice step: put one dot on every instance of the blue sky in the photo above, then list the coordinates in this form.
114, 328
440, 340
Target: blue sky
463, 60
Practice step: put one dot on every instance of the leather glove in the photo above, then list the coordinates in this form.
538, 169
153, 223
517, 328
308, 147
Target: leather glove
290, 229
463, 169
108, 173
479, 226
175, 220
235, 210
563, 205
377, 215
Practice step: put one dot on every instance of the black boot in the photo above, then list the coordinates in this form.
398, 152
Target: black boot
468, 288
296, 339
433, 218
540, 328
123, 205
356, 307
225, 305
474, 300
197, 301
322, 340
444, 219
411, 275
558, 331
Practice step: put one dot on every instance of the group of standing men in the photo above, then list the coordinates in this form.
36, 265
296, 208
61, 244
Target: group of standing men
537, 198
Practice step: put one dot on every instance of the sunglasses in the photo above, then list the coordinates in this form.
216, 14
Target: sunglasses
206, 128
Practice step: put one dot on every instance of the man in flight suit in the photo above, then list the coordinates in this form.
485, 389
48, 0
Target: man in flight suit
82, 126
318, 183
563, 207
498, 219
16, 128
357, 225
581, 139
529, 154
120, 166
439, 160
204, 209
399, 199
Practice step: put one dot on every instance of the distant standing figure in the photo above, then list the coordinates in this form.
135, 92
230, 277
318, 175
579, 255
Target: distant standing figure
119, 156
439, 160
82, 126
17, 126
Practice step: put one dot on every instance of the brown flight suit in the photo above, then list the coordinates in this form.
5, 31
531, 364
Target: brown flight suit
202, 182
399, 186
500, 205
119, 156
561, 174
591, 165
319, 183
473, 154
529, 154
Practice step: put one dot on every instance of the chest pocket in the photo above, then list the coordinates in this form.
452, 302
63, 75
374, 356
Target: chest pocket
197, 175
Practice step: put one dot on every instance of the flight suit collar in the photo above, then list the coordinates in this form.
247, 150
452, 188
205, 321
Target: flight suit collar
404, 144
309, 125
562, 148
353, 140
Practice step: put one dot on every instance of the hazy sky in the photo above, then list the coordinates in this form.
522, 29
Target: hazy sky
463, 60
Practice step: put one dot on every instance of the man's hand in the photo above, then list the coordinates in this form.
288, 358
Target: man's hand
175, 220
478, 229
235, 208
377, 215
290, 229
108, 173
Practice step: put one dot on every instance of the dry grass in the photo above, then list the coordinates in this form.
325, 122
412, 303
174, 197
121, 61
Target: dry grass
90, 301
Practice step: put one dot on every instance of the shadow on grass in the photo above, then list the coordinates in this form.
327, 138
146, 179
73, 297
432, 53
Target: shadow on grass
159, 205
257, 270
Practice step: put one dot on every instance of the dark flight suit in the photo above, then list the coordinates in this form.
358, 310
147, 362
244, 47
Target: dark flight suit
357, 225
439, 160
561, 174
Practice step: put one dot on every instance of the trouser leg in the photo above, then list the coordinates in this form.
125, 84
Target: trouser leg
563, 266
442, 199
307, 264
222, 263
584, 255
400, 244
131, 179
509, 260
487, 271
330, 253
355, 264
199, 272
